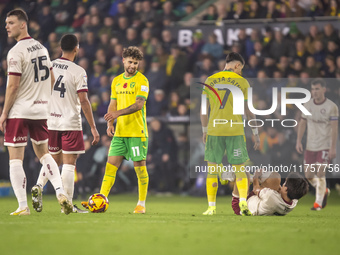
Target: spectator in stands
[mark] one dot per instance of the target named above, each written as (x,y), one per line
(329,67)
(213,48)
(131,38)
(319,53)
(254,11)
(64,12)
(251,68)
(156,75)
(239,11)
(94,79)
(333,9)
(175,68)
(211,13)
(293,9)
(162,156)
(46,21)
(330,34)
(272,12)
(279,46)
(184,89)
(250,41)
(108,27)
(333,49)
(311,67)
(312,36)
(105,101)
(157,103)
(167,40)
(147,11)
(316,9)
(168,12)
(300,51)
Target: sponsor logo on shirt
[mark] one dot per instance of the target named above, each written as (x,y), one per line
(144,88)
(40,102)
(12,62)
(53,114)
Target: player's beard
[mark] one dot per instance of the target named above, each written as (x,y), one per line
(130,72)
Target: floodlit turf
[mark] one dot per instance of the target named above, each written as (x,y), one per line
(172,225)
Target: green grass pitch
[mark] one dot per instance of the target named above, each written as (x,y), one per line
(172,225)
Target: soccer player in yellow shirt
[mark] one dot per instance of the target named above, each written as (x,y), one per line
(223,132)
(129,92)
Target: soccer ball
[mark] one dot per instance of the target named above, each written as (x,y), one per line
(98,203)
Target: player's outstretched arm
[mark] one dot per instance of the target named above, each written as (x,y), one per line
(137,106)
(251,116)
(334,134)
(87,110)
(301,130)
(11,94)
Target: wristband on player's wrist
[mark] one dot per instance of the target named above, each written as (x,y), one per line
(255,131)
(204,129)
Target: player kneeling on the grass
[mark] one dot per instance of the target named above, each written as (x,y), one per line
(66,142)
(269,198)
(129,92)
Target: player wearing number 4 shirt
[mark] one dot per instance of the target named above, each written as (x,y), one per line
(69,95)
(26,109)
(129,92)
(322,134)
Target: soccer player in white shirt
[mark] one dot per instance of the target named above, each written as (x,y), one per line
(64,123)
(322,135)
(26,109)
(269,198)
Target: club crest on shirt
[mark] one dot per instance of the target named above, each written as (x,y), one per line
(323,111)
(125,86)
(132,84)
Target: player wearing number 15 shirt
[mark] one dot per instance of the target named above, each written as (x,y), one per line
(26,109)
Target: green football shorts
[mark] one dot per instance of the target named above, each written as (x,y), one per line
(135,148)
(233,146)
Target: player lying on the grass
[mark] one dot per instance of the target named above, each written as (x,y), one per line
(269,197)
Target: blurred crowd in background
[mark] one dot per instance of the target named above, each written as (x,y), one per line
(105,27)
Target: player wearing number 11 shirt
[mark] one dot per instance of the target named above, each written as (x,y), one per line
(26,109)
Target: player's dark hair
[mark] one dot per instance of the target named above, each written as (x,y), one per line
(319,81)
(297,186)
(234,56)
(21,14)
(133,52)
(68,42)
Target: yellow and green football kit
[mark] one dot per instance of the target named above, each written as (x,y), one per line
(131,133)
(225,135)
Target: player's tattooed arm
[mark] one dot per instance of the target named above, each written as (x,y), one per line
(138,105)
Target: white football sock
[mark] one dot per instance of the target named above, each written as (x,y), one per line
(142,203)
(42,179)
(320,190)
(313,182)
(18,181)
(51,170)
(212,203)
(67,176)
